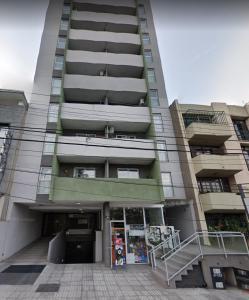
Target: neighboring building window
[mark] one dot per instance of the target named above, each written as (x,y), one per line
(162,150)
(143,23)
(146,38)
(64,25)
(59,62)
(44,180)
(66,9)
(245,151)
(49,143)
(158,122)
(122,136)
(61,43)
(154,98)
(241,129)
(56,86)
(148,56)
(151,75)
(84,173)
(53,112)
(128,173)
(167,185)
(213,185)
(141,10)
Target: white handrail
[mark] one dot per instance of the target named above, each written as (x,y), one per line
(196,236)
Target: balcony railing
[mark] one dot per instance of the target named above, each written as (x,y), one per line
(5,141)
(203,116)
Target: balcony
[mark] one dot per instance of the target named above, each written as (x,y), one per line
(103,41)
(104,22)
(93,88)
(97,150)
(221,202)
(96,63)
(99,190)
(206,127)
(206,165)
(96,117)
(127,7)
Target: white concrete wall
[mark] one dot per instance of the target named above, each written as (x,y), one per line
(22,228)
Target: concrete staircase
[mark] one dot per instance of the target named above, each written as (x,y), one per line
(35,253)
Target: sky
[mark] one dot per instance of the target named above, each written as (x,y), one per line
(204,47)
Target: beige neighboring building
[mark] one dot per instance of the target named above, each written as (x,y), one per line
(213,144)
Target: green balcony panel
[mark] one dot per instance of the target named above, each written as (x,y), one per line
(70,190)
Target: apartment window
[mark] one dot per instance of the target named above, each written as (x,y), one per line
(143,23)
(148,56)
(151,75)
(122,136)
(154,98)
(128,173)
(59,62)
(44,180)
(241,129)
(56,86)
(198,150)
(141,10)
(84,173)
(167,185)
(64,25)
(158,122)
(53,112)
(162,150)
(66,9)
(146,38)
(245,151)
(61,43)
(49,143)
(213,185)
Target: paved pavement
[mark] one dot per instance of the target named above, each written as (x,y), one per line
(94,281)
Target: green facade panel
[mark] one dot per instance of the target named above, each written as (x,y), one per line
(70,190)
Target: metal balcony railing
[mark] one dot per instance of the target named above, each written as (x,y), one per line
(203,116)
(5,141)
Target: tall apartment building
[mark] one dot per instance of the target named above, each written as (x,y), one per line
(213,149)
(13,109)
(102,151)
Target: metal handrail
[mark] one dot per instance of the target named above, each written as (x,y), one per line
(196,236)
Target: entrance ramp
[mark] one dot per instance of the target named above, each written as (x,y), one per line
(34,253)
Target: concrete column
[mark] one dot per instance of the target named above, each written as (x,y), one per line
(107,173)
(106,235)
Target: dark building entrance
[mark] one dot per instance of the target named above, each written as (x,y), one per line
(79,233)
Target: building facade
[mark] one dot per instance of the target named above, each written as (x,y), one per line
(102,154)
(213,149)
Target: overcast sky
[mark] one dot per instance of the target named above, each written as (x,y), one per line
(204,47)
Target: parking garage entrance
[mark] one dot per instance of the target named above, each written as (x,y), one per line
(76,236)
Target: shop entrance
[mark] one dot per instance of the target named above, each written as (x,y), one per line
(80,231)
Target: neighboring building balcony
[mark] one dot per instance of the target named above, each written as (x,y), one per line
(75,149)
(92,88)
(221,202)
(206,127)
(98,190)
(208,165)
(103,63)
(104,22)
(96,116)
(104,41)
(127,7)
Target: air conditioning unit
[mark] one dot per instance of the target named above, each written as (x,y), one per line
(141,102)
(101,73)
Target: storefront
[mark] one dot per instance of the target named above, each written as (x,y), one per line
(128,227)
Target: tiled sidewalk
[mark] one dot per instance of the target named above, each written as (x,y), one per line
(94,281)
